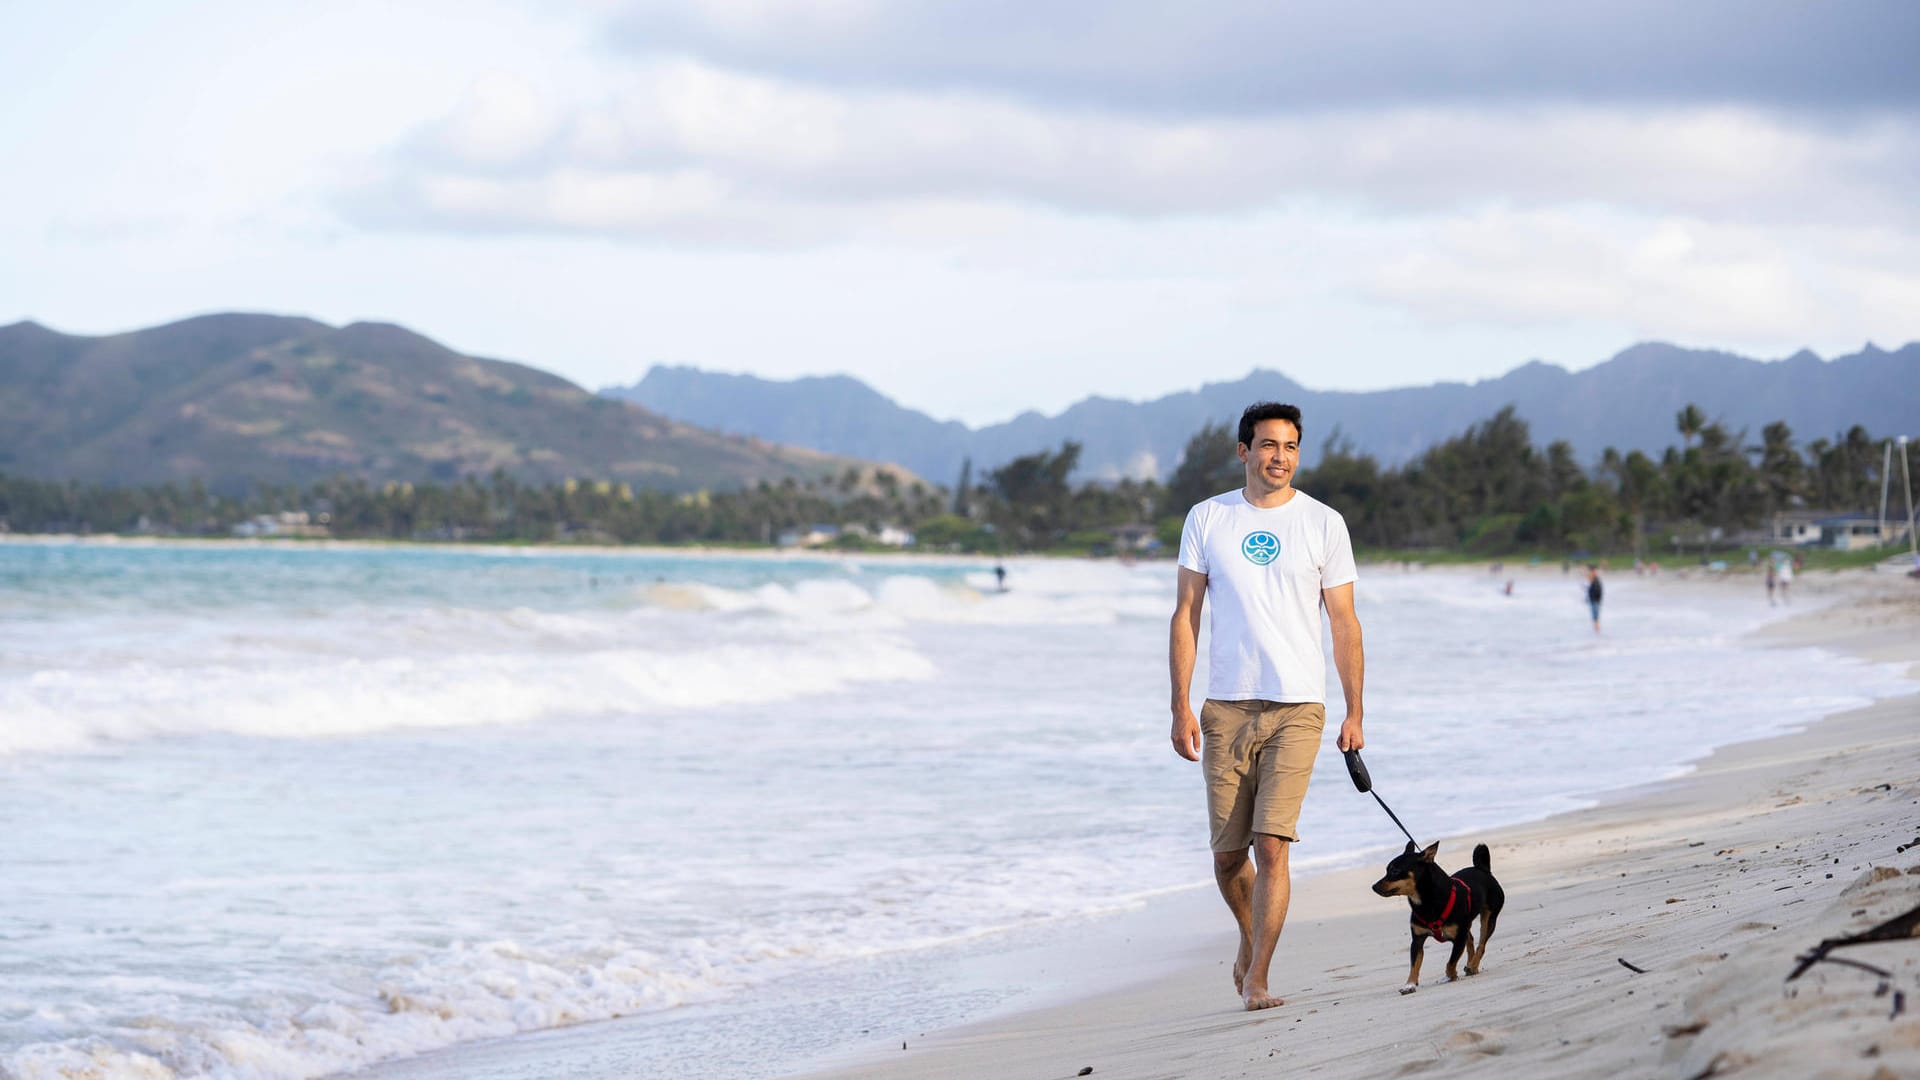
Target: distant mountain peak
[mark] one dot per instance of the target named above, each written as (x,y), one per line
(1626,402)
(1270,379)
(388,336)
(235,399)
(1533,371)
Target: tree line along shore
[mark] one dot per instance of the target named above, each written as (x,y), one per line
(1488,492)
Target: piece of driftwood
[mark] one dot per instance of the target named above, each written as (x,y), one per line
(1899,928)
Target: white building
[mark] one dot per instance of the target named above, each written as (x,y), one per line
(810,536)
(285,523)
(1851,532)
(1797,528)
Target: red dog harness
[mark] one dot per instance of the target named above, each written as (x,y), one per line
(1453,893)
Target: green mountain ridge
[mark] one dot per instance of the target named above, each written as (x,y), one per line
(236,400)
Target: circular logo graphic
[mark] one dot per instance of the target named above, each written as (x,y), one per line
(1260,548)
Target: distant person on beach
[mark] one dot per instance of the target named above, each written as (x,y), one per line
(1594,592)
(1784,578)
(1773,579)
(1270,558)
(1000,577)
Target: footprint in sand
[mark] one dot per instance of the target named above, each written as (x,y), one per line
(1476,1042)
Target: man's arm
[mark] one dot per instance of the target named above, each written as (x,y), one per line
(1348,658)
(1183,643)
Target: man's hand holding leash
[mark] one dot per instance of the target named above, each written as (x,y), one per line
(1350,737)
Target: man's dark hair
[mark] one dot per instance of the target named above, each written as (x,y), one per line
(1268,410)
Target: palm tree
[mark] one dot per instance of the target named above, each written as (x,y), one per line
(1863,467)
(1690,421)
(1819,465)
(1780,468)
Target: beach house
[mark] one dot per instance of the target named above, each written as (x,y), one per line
(1851,532)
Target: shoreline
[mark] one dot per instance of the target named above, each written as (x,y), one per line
(1523,564)
(1710,882)
(1147,992)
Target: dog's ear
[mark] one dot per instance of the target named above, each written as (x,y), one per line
(1431,850)
(1409,850)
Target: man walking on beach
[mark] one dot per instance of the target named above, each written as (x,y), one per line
(1594,592)
(1270,558)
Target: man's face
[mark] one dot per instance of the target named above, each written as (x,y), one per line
(1272,456)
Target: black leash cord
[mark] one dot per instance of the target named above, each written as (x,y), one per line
(1357,769)
(1396,819)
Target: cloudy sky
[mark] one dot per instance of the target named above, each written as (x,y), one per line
(977,207)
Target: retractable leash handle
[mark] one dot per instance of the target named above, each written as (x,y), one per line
(1357,769)
(1364,785)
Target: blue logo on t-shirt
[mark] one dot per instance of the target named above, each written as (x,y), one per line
(1260,548)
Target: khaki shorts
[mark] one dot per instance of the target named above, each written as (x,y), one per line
(1257,757)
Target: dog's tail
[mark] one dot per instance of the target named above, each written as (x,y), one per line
(1482,858)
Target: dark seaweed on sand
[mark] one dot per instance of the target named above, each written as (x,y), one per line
(1899,928)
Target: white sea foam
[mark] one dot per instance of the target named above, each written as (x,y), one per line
(364,672)
(902,599)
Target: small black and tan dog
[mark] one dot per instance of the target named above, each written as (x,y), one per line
(1445,907)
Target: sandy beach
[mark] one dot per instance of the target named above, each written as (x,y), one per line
(1710,885)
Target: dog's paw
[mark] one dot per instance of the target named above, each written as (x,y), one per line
(1409,988)
(1473,971)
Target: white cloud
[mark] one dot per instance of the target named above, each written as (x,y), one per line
(1703,224)
(1675,278)
(1254,56)
(502,120)
(685,205)
(775,142)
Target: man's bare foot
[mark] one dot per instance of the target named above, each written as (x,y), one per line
(1258,998)
(1240,965)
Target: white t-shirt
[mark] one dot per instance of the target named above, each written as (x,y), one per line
(1265,570)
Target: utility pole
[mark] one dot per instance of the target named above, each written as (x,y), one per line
(1886,478)
(1906,485)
